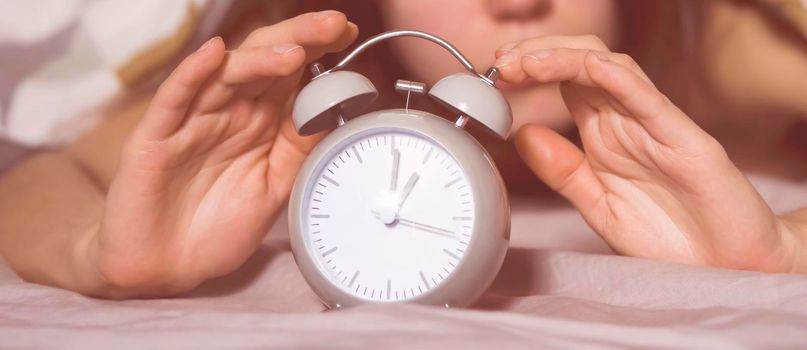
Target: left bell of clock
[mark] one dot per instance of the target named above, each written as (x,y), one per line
(320,105)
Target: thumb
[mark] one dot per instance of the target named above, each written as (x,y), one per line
(562,166)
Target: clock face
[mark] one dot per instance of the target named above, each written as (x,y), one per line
(388,215)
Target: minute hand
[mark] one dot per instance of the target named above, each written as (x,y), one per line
(416,224)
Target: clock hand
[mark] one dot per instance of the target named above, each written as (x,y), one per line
(425,226)
(410,184)
(418,226)
(396,160)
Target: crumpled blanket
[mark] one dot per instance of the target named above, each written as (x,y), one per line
(560,287)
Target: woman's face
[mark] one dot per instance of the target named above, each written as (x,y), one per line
(479,27)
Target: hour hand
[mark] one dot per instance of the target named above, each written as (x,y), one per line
(410,184)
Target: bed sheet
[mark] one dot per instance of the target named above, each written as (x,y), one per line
(560,287)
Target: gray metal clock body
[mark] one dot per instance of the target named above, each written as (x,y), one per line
(489,236)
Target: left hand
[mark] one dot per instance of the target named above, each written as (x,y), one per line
(651,182)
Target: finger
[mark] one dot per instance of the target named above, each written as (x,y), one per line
(249,71)
(631,92)
(508,57)
(590,42)
(652,109)
(319,32)
(287,156)
(172,100)
(564,168)
(255,63)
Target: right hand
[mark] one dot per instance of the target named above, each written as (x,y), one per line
(211,164)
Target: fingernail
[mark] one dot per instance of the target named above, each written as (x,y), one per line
(601,56)
(539,55)
(352,25)
(502,52)
(322,15)
(208,43)
(506,59)
(283,49)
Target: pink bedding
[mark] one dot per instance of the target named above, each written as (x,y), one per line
(559,288)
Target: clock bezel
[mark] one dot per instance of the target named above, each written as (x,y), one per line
(490,234)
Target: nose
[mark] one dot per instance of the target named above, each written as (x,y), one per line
(518,9)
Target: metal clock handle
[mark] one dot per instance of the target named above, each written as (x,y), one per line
(411,33)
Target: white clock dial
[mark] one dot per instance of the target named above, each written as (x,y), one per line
(388,216)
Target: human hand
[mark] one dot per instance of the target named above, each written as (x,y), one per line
(651,183)
(211,164)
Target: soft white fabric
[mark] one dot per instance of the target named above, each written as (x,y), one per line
(559,289)
(60,58)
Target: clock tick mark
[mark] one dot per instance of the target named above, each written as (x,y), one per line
(389,289)
(353,279)
(449,253)
(461,218)
(452,182)
(332,181)
(329,251)
(320,216)
(356,152)
(428,154)
(423,278)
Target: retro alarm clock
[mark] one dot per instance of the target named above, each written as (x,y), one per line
(399,205)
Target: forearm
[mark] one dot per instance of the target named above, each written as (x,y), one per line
(795,238)
(50,210)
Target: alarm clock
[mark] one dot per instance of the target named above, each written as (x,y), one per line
(399,205)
